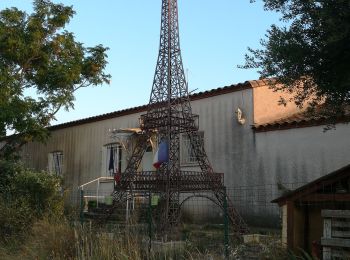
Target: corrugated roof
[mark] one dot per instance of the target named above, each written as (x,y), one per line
(143,108)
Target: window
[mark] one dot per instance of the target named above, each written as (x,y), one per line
(147,159)
(55,163)
(188,155)
(113,159)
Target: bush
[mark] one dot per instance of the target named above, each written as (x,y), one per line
(26,196)
(41,190)
(8,170)
(15,217)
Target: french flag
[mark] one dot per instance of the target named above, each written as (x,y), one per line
(162,155)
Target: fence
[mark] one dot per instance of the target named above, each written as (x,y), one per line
(254,203)
(202,227)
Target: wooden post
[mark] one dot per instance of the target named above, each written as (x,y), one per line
(327,233)
(290,225)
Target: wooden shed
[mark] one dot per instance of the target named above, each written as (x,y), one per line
(302,221)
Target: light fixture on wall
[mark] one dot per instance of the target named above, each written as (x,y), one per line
(239,116)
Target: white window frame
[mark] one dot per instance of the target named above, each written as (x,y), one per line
(117,159)
(187,156)
(55,163)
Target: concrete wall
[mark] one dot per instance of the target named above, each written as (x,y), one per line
(300,155)
(266,104)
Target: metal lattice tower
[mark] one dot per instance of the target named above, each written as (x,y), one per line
(169,115)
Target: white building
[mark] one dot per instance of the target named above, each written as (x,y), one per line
(259,145)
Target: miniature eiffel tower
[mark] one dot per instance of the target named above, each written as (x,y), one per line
(168,117)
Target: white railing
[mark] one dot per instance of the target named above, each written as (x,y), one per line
(98,182)
(130,204)
(95,180)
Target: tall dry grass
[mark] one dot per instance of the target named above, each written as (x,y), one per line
(60,240)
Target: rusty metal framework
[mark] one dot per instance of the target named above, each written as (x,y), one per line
(170,115)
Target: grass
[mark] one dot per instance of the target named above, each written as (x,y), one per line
(63,240)
(60,240)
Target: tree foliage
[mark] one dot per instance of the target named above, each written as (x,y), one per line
(41,66)
(310,53)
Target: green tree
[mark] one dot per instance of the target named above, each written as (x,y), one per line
(310,53)
(41,66)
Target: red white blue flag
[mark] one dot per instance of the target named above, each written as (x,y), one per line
(162,155)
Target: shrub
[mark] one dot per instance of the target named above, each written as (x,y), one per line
(41,190)
(16,216)
(26,196)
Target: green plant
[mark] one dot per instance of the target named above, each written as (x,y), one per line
(37,53)
(25,197)
(42,190)
(92,204)
(308,54)
(16,215)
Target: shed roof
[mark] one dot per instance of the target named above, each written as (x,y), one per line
(313,186)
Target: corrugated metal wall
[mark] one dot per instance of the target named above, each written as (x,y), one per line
(82,145)
(252,163)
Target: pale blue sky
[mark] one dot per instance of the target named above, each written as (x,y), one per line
(214,36)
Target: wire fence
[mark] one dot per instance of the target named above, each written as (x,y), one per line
(254,203)
(202,227)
